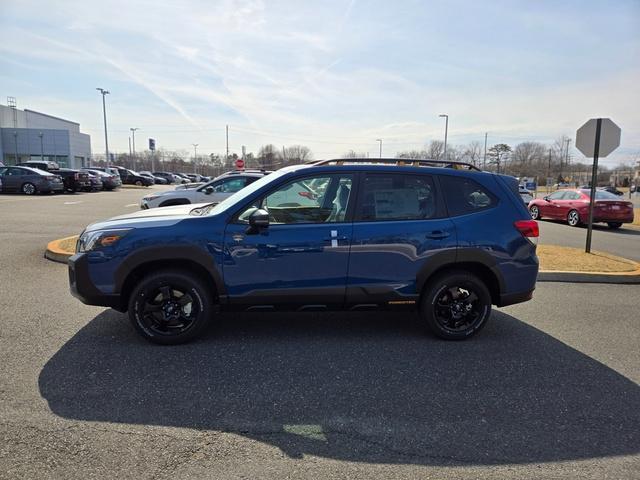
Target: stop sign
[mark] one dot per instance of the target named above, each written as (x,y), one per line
(239,164)
(609,137)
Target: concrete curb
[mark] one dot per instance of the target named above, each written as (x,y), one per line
(590,277)
(56,252)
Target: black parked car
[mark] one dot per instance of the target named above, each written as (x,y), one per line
(129,177)
(29,181)
(45,165)
(110,181)
(74,180)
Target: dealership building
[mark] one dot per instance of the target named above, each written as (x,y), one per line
(29,135)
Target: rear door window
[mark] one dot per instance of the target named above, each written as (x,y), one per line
(387,197)
(464,195)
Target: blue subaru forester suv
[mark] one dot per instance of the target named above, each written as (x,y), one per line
(332,234)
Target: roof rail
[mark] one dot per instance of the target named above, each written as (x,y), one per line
(415,162)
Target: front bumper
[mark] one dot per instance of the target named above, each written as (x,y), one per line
(84,289)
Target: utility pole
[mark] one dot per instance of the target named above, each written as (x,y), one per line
(548,172)
(446,131)
(380,140)
(130,156)
(484,160)
(104,115)
(133,135)
(227,158)
(195,156)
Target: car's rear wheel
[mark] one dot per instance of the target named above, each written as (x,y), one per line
(455,305)
(138,183)
(573,218)
(534,211)
(29,188)
(614,225)
(170,307)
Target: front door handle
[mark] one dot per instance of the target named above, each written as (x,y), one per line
(438,234)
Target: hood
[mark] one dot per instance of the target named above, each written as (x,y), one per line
(153,217)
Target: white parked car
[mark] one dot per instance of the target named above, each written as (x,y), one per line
(211,192)
(525,194)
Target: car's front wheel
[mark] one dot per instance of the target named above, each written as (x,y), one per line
(614,225)
(170,307)
(534,211)
(455,305)
(573,218)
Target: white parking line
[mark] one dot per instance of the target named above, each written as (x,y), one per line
(72,203)
(131,205)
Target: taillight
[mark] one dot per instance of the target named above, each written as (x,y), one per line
(528,228)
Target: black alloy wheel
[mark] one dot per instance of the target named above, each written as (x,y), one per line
(456,305)
(170,307)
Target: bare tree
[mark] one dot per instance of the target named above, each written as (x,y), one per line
(354,154)
(297,154)
(435,151)
(472,153)
(412,154)
(269,157)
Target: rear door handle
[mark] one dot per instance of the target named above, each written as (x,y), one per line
(438,234)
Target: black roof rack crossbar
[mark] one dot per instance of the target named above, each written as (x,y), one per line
(400,161)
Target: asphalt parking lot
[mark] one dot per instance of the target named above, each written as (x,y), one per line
(548,390)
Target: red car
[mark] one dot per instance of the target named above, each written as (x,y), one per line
(573,207)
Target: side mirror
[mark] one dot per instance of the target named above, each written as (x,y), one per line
(258,220)
(546,199)
(208,190)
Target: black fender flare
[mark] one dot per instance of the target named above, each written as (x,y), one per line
(170,253)
(454,257)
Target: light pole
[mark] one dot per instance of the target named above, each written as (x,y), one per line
(41,148)
(380,140)
(195,156)
(484,160)
(446,131)
(104,114)
(133,138)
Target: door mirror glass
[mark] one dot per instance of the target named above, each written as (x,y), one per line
(208,190)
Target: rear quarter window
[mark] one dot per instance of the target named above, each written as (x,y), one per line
(464,195)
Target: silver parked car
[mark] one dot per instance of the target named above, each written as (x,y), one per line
(211,192)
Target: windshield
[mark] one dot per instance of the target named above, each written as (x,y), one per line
(240,195)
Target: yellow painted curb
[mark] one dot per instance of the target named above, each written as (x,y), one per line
(61,249)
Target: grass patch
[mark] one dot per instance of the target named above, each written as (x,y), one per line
(553,257)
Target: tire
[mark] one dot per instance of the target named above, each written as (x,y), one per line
(162,319)
(614,225)
(138,183)
(28,188)
(534,211)
(450,318)
(573,218)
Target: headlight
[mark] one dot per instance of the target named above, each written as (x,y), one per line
(100,239)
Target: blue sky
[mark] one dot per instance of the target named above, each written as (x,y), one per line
(333,75)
